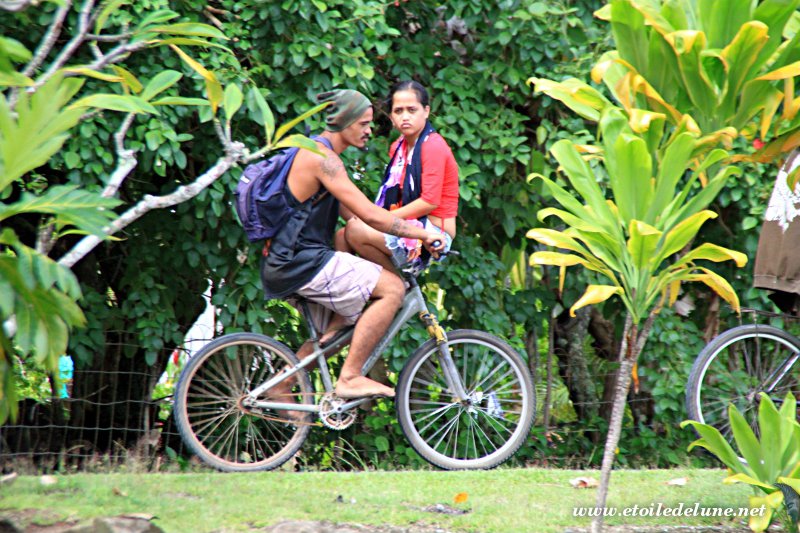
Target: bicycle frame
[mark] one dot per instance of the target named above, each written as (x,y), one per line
(413,304)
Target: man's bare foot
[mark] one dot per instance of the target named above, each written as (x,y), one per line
(361,386)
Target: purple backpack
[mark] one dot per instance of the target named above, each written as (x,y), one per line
(260,199)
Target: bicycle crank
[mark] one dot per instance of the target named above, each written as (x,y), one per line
(332,415)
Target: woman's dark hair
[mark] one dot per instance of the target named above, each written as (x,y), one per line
(409,85)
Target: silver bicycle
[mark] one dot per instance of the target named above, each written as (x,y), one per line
(739,364)
(464,399)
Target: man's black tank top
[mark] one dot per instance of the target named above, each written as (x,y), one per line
(303,246)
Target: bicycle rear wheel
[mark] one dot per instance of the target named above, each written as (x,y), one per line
(210,415)
(483,431)
(735,367)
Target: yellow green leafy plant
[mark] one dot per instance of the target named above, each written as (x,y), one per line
(769,462)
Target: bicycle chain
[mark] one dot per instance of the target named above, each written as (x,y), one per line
(253,412)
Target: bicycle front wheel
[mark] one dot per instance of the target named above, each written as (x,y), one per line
(210,413)
(481,432)
(735,367)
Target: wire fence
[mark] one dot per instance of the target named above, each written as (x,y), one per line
(124,418)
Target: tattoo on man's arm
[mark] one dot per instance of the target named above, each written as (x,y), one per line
(331,166)
(399,228)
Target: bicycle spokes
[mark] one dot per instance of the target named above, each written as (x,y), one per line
(218,415)
(742,369)
(482,423)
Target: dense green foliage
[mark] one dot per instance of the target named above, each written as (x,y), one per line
(142,293)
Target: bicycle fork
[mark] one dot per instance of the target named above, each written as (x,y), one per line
(449,369)
(414,303)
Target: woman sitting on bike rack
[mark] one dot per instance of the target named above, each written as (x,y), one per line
(420,184)
(300,260)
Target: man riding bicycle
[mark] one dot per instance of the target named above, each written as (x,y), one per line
(300,259)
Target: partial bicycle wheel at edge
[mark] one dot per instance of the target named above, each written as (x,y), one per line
(735,366)
(482,432)
(211,418)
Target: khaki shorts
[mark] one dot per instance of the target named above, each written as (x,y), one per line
(343,286)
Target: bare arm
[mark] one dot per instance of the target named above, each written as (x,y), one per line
(345,213)
(333,176)
(417,208)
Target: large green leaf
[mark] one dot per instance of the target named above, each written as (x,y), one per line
(707,195)
(160,83)
(567,217)
(267,118)
(39,269)
(582,179)
(562,196)
(682,234)
(233,100)
(630,176)
(14,50)
(181,100)
(69,205)
(12,278)
(789,52)
(41,327)
(582,98)
(774,14)
(713,441)
(39,129)
(14,79)
(740,56)
(609,250)
(790,435)
(680,13)
(630,34)
(748,444)
(6,296)
(671,168)
(108,8)
(771,428)
(284,128)
(157,17)
(744,478)
(689,47)
(613,123)
(190,28)
(754,97)
(117,102)
(559,239)
(720,19)
(642,244)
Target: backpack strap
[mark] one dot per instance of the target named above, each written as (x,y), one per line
(319,195)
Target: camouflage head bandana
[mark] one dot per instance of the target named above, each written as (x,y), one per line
(348,105)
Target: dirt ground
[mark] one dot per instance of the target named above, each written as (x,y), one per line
(39,521)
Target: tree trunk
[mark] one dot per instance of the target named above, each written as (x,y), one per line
(633,341)
(573,366)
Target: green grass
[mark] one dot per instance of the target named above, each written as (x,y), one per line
(505,500)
